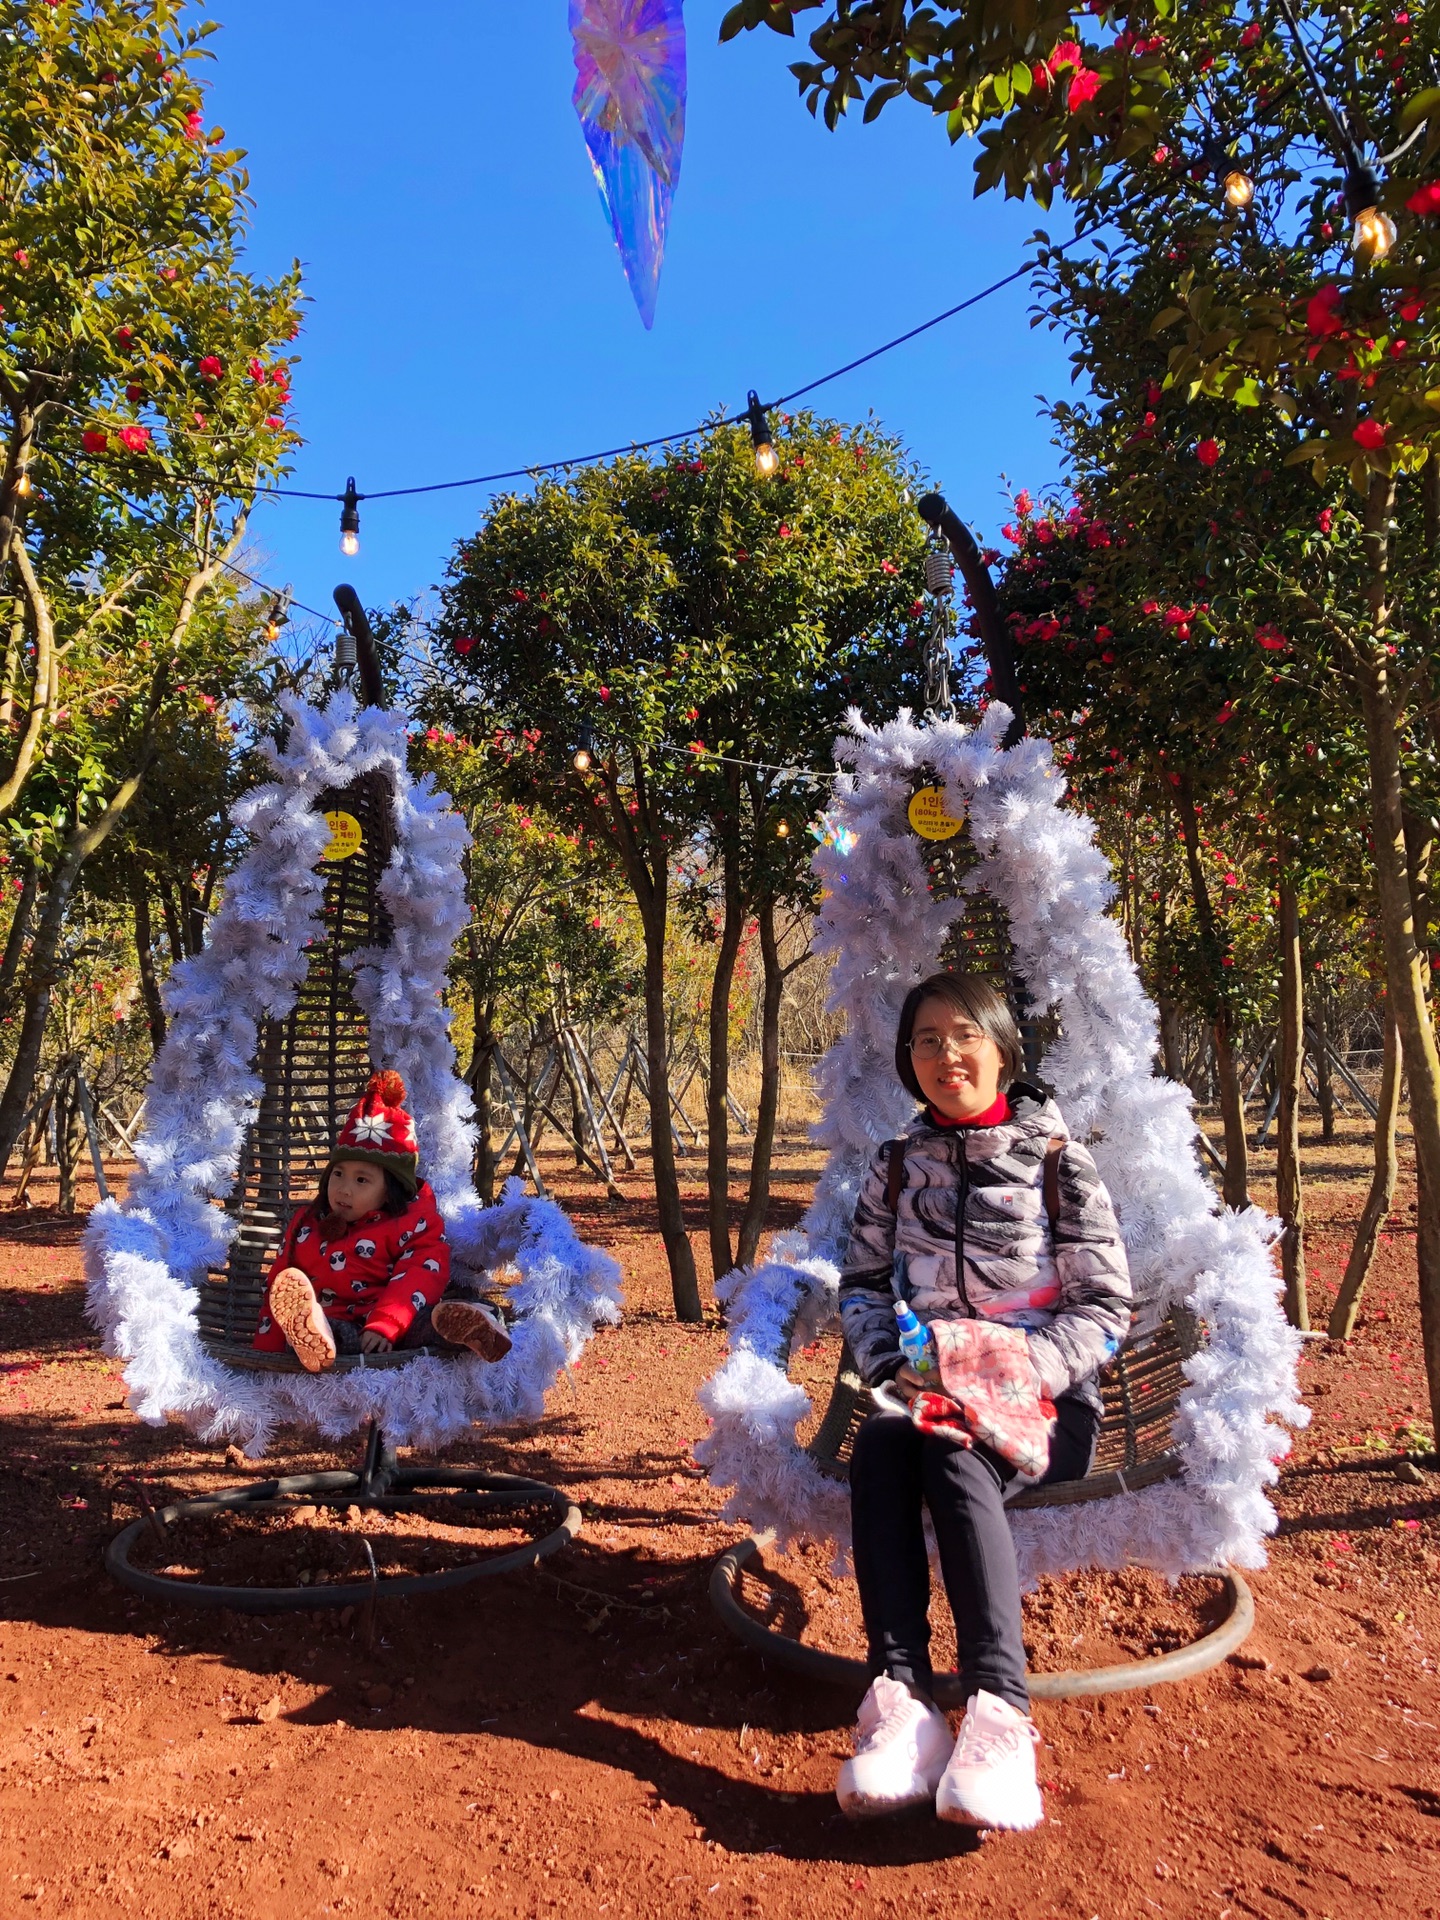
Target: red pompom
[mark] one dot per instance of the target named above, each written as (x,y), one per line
(389,1086)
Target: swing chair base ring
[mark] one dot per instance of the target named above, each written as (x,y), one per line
(406,1489)
(837,1670)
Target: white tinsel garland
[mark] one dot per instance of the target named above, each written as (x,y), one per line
(145,1259)
(885,931)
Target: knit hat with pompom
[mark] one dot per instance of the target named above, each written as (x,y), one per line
(380,1131)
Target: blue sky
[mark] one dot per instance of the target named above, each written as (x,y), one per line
(468,309)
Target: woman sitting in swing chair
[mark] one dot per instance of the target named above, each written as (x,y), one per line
(986,1224)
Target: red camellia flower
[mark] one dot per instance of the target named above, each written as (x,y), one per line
(887,566)
(22,258)
(134,392)
(1207,453)
(1413,305)
(1425,199)
(604,693)
(784,531)
(94,441)
(1252,35)
(274,420)
(1271,638)
(1370,434)
(1067,54)
(124,336)
(168,273)
(1023,503)
(210,367)
(135,439)
(1322,313)
(1084,86)
(194,124)
(256,372)
(1225,713)
(464,646)
(1325,519)
(1151,606)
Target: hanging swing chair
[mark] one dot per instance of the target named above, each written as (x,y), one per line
(327,959)
(950,847)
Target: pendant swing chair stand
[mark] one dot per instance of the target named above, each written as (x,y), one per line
(948,846)
(327,960)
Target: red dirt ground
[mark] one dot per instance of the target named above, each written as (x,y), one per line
(584,1738)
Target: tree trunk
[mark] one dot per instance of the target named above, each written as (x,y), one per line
(69,1142)
(717,1112)
(1320,1054)
(1404,963)
(1236,1184)
(684,1283)
(482,1075)
(1290,1194)
(1170,1041)
(1381,1195)
(145,955)
(15,940)
(1235,1187)
(757,1200)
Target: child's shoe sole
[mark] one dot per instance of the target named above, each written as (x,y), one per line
(299,1316)
(464,1323)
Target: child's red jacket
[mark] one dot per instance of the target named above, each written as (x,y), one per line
(381,1271)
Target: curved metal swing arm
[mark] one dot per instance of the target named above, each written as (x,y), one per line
(937,513)
(357,626)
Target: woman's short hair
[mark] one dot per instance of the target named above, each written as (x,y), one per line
(970,994)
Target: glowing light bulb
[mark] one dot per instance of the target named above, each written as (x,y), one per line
(1239,189)
(1374,234)
(782,829)
(767,460)
(276,614)
(581,761)
(350,520)
(22,482)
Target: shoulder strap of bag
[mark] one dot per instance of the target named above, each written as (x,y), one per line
(895,1175)
(1050,1180)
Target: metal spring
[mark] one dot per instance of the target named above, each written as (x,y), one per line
(939,571)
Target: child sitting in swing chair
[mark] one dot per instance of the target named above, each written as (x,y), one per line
(991,1226)
(365,1267)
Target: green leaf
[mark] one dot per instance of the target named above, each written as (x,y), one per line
(1167,318)
(1420,106)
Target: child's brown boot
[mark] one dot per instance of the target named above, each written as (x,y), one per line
(466,1323)
(301,1319)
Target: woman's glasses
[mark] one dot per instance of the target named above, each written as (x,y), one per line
(930,1046)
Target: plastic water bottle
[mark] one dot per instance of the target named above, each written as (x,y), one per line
(916,1341)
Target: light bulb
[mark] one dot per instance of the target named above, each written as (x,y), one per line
(782,829)
(767,461)
(1374,234)
(1239,189)
(350,520)
(22,482)
(580,760)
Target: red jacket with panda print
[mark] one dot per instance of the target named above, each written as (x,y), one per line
(381,1271)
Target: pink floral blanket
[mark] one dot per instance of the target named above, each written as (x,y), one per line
(992,1394)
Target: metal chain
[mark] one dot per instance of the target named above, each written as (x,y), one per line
(939,572)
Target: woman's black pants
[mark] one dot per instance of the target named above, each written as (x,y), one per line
(896,1469)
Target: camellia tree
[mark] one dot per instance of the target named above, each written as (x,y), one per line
(1319,125)
(143,388)
(666,644)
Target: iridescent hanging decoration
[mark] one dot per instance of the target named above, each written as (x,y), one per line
(630,96)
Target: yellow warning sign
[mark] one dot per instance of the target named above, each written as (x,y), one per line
(345,836)
(929,818)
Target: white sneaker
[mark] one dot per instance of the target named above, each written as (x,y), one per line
(990,1781)
(901,1747)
